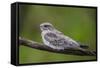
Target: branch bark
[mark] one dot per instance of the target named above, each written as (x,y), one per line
(36,45)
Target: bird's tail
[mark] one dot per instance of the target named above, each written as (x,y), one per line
(84,46)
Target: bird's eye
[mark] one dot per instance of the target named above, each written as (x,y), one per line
(46,26)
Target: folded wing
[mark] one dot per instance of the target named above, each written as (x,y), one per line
(59,41)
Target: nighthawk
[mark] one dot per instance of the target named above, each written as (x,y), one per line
(56,39)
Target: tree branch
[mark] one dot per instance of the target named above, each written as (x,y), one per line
(43,47)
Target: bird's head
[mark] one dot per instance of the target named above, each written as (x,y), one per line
(46,26)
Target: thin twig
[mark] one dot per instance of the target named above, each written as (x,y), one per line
(43,47)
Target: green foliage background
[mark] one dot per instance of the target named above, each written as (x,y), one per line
(75,22)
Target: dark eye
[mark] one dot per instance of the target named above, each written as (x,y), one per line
(45,25)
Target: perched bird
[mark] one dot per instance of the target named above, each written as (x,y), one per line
(56,39)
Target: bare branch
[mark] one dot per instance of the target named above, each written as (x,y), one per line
(43,47)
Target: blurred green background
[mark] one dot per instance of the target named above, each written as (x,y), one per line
(75,22)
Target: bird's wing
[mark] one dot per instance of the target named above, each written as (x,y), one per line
(57,40)
(67,38)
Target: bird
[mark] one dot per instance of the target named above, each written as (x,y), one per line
(57,40)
